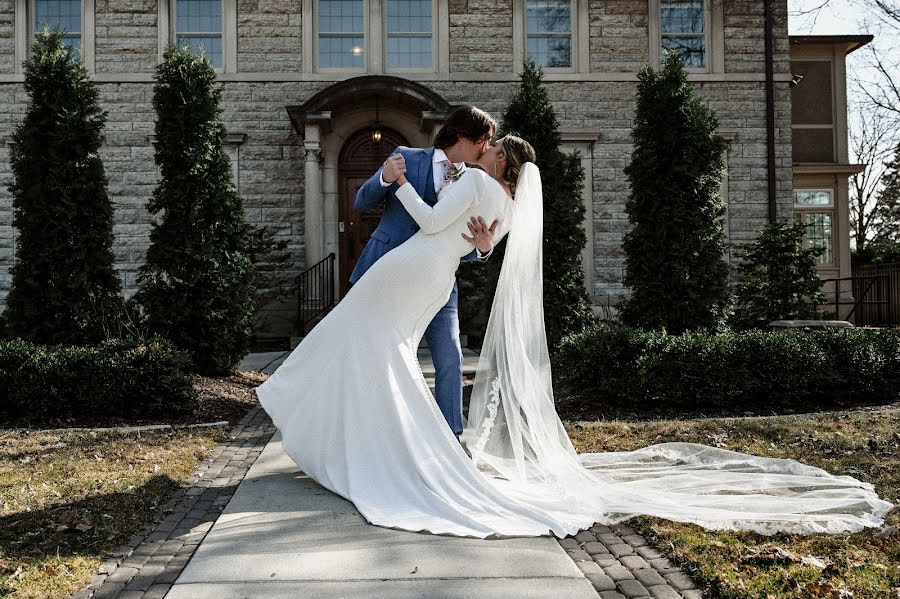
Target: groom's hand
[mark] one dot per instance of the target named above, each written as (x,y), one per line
(394,166)
(482,235)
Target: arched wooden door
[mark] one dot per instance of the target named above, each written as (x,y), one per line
(359,160)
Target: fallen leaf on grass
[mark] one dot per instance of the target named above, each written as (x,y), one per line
(828,591)
(815,562)
(769,555)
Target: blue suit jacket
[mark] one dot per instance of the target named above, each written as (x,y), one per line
(396,225)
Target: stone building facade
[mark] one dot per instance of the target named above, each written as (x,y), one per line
(306,80)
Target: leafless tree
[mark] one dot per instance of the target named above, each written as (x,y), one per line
(872,139)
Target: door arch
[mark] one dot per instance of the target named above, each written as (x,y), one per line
(359,159)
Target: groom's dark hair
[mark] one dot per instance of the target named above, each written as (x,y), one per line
(466,121)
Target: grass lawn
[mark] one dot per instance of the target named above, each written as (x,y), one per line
(863,444)
(68,499)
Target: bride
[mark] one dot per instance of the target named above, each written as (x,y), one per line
(357,415)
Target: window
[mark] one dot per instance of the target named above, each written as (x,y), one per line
(683,28)
(62,15)
(812,112)
(341,34)
(549,37)
(409,34)
(815,208)
(198,24)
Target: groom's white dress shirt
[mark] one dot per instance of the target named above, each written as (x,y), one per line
(437,172)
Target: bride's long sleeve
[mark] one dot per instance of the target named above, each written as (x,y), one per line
(454,202)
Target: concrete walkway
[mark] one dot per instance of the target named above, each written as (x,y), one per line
(283,535)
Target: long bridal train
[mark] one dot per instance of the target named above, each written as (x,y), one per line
(357,416)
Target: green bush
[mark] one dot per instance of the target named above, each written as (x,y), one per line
(778,277)
(63,273)
(120,378)
(616,366)
(196,286)
(675,249)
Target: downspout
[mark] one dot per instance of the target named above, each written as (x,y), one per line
(770,106)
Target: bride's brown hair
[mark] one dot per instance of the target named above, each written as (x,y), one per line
(518,152)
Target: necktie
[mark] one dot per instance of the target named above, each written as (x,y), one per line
(450,173)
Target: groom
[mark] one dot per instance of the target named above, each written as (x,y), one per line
(463,138)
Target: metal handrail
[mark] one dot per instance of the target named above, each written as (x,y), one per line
(315,292)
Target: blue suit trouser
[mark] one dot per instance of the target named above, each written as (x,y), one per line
(442,336)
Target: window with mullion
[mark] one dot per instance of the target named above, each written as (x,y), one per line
(341,34)
(683,29)
(198,24)
(815,209)
(409,34)
(549,38)
(60,15)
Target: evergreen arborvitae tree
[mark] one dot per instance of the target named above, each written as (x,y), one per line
(888,204)
(63,280)
(530,116)
(196,287)
(674,254)
(778,278)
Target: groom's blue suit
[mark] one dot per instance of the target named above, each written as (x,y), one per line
(394,228)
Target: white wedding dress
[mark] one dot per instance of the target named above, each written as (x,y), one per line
(356,413)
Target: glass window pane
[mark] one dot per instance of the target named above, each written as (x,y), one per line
(691,49)
(549,16)
(820,197)
(62,15)
(341,16)
(681,16)
(410,52)
(211,44)
(199,16)
(409,16)
(341,52)
(818,234)
(550,51)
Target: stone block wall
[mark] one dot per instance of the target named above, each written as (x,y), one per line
(126,36)
(270,162)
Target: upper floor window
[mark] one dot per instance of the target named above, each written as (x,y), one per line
(198,24)
(683,28)
(409,34)
(342,39)
(61,15)
(549,36)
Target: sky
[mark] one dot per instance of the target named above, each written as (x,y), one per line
(838,17)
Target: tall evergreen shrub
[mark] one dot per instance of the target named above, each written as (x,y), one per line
(675,253)
(63,280)
(196,286)
(531,116)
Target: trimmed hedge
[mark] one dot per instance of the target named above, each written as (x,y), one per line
(127,378)
(612,365)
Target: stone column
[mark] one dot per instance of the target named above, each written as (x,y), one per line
(312,234)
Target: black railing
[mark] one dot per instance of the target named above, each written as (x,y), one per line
(315,292)
(872,299)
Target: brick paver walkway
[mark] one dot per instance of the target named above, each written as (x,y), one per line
(149,563)
(620,564)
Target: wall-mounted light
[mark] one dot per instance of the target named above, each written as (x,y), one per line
(376,126)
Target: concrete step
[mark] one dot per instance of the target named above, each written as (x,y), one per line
(268,362)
